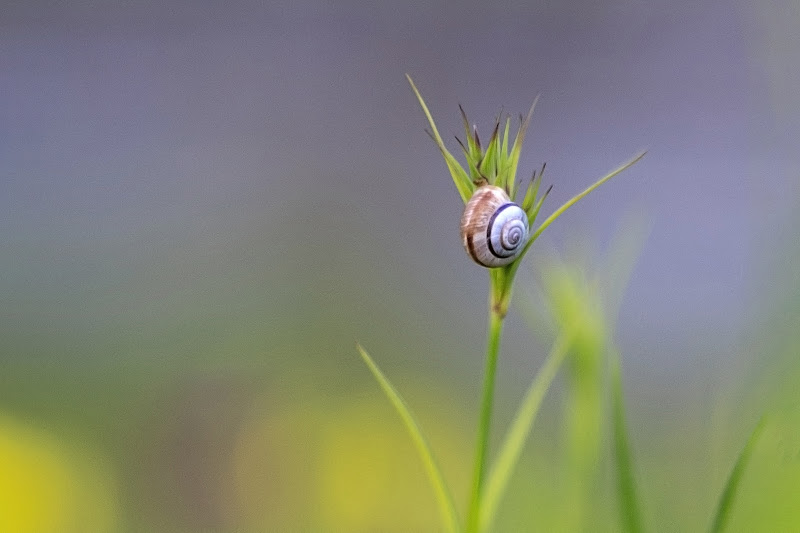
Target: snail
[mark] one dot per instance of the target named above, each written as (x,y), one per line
(494,229)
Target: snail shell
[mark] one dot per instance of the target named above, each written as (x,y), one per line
(494,229)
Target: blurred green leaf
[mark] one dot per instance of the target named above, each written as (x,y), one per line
(626,483)
(725,504)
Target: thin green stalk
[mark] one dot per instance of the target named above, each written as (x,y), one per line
(518,433)
(484,425)
(626,484)
(446,506)
(725,504)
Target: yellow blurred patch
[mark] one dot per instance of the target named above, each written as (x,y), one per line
(346,465)
(370,476)
(47,488)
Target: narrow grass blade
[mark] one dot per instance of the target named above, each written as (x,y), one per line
(443,496)
(725,504)
(558,212)
(518,433)
(474,173)
(473,143)
(504,163)
(534,212)
(530,194)
(488,165)
(505,138)
(626,484)
(516,149)
(460,178)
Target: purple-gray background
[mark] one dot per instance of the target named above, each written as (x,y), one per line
(254,177)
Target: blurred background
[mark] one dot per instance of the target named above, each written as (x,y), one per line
(204,205)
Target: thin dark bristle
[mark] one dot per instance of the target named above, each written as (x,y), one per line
(466,151)
(464,119)
(495,132)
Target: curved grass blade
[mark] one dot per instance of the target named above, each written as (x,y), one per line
(443,496)
(518,433)
(629,502)
(460,178)
(558,212)
(725,504)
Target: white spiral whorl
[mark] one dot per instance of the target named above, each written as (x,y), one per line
(494,230)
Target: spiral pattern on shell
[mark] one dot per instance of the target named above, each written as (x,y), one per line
(494,230)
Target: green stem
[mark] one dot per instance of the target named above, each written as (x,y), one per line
(511,448)
(496,316)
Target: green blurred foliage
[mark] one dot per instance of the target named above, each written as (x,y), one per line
(228,445)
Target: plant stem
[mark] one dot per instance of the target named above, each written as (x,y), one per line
(496,316)
(518,433)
